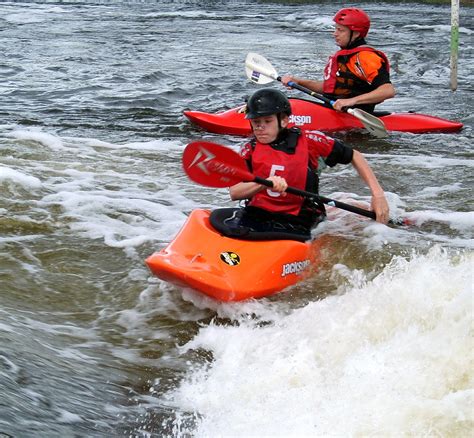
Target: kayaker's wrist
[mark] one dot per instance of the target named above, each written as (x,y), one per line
(377,190)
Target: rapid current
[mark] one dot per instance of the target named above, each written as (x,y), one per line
(378,342)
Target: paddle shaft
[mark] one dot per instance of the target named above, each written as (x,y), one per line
(328,201)
(329,101)
(332,202)
(308,91)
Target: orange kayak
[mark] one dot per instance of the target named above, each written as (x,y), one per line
(231,269)
(311,115)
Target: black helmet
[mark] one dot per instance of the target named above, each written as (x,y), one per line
(266,102)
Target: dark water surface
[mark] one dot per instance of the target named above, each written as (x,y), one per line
(377,343)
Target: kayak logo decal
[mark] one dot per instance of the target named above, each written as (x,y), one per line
(230,258)
(295,267)
(300,120)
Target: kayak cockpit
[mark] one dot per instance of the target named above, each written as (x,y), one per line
(227,222)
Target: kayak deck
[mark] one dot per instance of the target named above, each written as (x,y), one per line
(311,115)
(229,269)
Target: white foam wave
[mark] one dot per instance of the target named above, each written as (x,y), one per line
(16,178)
(430,192)
(110,217)
(441,28)
(48,140)
(320,23)
(463,221)
(187,14)
(385,357)
(423,161)
(154,145)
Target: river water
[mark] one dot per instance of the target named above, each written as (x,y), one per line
(379,342)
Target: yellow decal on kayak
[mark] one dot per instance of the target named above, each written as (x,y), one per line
(230,257)
(295,267)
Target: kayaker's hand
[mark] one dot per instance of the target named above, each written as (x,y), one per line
(342,104)
(279,183)
(287,78)
(380,207)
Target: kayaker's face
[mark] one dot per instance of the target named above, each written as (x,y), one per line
(342,35)
(266,128)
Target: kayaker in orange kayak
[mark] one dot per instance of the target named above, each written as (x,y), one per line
(357,75)
(291,157)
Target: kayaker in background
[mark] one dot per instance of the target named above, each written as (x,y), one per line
(357,75)
(291,156)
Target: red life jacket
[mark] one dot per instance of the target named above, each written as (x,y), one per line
(340,81)
(267,161)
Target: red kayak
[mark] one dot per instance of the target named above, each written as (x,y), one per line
(311,115)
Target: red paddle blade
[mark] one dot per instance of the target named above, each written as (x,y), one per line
(214,165)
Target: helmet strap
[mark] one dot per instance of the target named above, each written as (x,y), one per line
(279,121)
(350,38)
(356,43)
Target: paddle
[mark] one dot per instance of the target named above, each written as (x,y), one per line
(214,165)
(260,71)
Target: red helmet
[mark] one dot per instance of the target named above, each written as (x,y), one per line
(355,19)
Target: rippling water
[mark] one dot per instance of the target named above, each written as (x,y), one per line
(378,342)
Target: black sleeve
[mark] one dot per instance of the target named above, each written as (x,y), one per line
(340,154)
(382,78)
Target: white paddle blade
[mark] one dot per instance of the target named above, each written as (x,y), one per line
(257,77)
(373,124)
(259,70)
